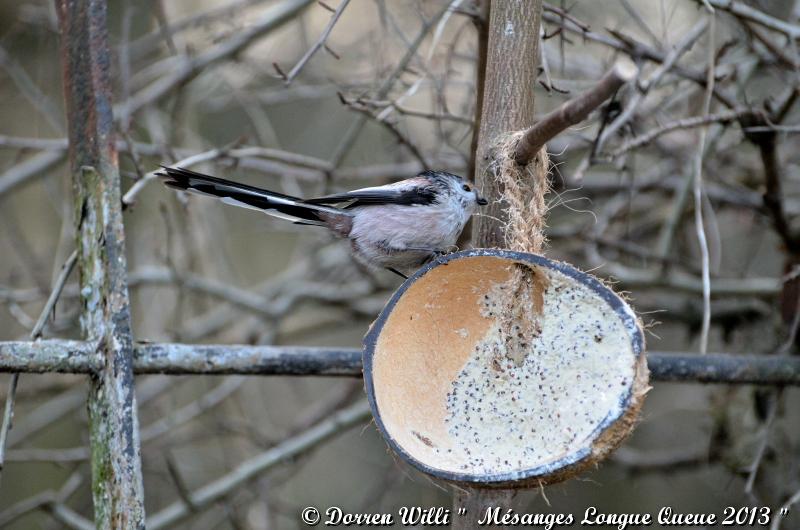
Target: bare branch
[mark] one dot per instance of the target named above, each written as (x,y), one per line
(68,517)
(564,14)
(391,127)
(28,169)
(741,10)
(683,123)
(164,33)
(697,186)
(319,44)
(354,130)
(184,414)
(660,460)
(36,332)
(652,80)
(31,91)
(767,143)
(191,68)
(250,469)
(51,501)
(794,499)
(638,50)
(573,111)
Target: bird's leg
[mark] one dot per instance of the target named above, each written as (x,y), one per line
(438,253)
(428,250)
(397,272)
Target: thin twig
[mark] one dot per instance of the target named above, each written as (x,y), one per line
(44,500)
(683,123)
(660,460)
(565,14)
(350,135)
(31,91)
(8,417)
(698,189)
(786,58)
(741,10)
(777,518)
(640,22)
(165,33)
(639,50)
(32,167)
(435,116)
(652,80)
(250,469)
(180,484)
(752,471)
(184,414)
(391,127)
(318,44)
(68,517)
(773,198)
(36,332)
(60,406)
(188,69)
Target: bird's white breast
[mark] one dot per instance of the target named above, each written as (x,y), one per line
(435,226)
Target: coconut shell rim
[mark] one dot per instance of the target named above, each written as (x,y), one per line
(546,473)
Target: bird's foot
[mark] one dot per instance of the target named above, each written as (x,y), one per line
(439,254)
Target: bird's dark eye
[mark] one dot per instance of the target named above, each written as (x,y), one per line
(466,187)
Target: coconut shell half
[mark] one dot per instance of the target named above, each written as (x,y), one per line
(504,369)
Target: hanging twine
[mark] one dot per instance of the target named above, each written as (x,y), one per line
(523,191)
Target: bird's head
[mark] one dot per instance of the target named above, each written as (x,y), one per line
(457,187)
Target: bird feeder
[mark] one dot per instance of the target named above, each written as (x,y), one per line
(494,368)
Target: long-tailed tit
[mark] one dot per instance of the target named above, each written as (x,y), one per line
(398,227)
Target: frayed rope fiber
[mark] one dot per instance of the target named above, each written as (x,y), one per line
(523,191)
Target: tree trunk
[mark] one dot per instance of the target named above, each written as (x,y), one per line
(512,58)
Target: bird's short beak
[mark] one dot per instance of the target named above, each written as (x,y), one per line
(481,201)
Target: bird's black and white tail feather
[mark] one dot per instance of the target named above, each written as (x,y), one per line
(276,204)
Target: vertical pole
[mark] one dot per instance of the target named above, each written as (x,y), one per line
(105,320)
(512,60)
(476,502)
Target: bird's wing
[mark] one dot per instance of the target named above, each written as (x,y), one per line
(245,196)
(416,191)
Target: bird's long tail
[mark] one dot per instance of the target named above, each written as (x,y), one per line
(270,202)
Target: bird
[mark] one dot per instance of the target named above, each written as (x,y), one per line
(398,227)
